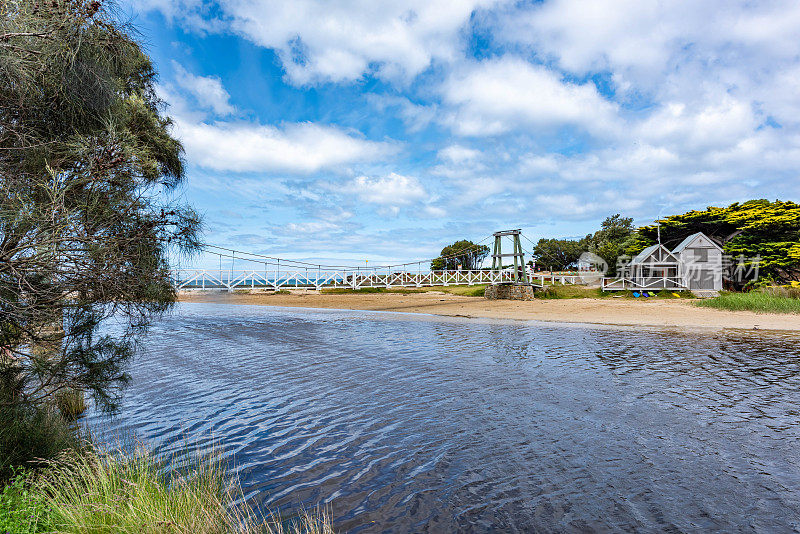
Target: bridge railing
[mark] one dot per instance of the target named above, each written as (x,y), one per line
(230,280)
(321,279)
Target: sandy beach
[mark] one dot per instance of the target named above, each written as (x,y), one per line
(609,311)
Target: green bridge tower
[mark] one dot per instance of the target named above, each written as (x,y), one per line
(520,273)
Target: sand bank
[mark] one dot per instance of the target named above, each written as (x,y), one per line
(610,311)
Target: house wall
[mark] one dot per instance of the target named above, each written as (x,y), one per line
(701,266)
(698,265)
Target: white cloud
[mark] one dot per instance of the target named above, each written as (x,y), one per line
(320,41)
(687,104)
(719,124)
(297,147)
(311,228)
(207,90)
(415,116)
(621,34)
(458,154)
(681,50)
(495,96)
(390,190)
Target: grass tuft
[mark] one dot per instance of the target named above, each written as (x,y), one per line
(99,491)
(347,290)
(71,403)
(30,435)
(767,300)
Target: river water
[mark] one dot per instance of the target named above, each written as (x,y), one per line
(409,423)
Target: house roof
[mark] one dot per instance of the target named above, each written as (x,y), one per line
(688,241)
(644,255)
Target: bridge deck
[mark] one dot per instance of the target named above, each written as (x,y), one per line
(318,279)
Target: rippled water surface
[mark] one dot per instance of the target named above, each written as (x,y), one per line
(415,424)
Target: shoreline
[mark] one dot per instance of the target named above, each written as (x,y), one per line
(611,312)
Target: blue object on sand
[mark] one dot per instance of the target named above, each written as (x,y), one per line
(636,294)
(645,294)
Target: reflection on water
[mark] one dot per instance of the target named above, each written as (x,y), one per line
(411,425)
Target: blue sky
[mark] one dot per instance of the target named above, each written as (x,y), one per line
(384,130)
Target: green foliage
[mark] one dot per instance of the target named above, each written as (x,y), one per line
(464,253)
(610,241)
(71,403)
(105,492)
(23,510)
(31,435)
(765,300)
(757,228)
(569,291)
(87,229)
(559,254)
(132,492)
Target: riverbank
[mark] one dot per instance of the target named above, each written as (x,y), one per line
(681,313)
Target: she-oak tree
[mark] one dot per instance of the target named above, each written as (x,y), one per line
(86,224)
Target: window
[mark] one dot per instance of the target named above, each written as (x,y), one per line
(701,254)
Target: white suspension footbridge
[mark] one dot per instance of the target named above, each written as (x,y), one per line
(244,270)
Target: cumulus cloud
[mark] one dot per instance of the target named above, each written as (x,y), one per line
(682,50)
(321,41)
(296,147)
(685,104)
(458,154)
(496,96)
(628,34)
(716,125)
(390,190)
(207,91)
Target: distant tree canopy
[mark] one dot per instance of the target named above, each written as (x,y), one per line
(464,253)
(610,241)
(757,228)
(559,254)
(85,229)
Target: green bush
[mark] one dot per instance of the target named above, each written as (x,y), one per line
(32,435)
(111,492)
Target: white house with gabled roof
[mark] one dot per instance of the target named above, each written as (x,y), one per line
(701,262)
(695,265)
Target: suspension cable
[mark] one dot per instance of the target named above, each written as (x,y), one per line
(276,261)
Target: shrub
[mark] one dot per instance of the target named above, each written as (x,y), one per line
(31,435)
